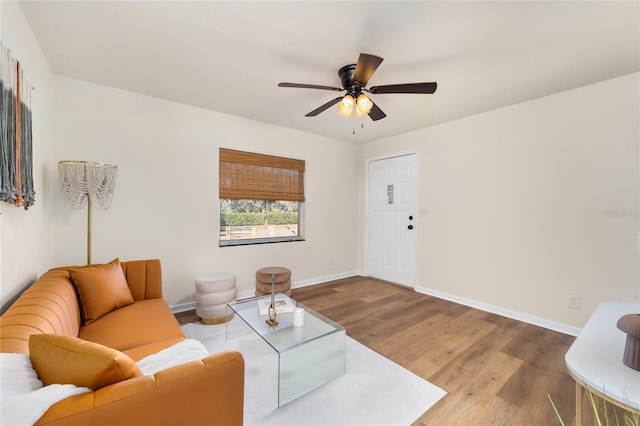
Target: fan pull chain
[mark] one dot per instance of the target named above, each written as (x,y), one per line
(361,126)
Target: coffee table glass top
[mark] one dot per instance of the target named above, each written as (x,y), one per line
(283,336)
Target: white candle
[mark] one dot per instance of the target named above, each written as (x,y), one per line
(298,317)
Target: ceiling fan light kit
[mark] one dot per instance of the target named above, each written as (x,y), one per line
(362,105)
(345,107)
(354,79)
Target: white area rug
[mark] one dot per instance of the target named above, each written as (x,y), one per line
(373,391)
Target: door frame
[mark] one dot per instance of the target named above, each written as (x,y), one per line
(416,216)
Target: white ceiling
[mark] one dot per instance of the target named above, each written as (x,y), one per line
(229,56)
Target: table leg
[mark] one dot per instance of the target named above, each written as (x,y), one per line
(579,394)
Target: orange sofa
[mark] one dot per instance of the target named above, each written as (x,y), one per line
(209,392)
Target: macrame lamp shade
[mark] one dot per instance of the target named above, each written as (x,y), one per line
(84,183)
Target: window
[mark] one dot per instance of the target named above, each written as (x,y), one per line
(261,198)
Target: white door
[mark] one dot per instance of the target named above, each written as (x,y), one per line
(391,219)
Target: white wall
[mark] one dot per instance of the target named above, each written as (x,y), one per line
(25,235)
(526,205)
(166,201)
(532,203)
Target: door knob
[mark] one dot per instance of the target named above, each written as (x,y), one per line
(410,227)
(410,217)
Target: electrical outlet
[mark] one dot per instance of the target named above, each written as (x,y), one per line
(574,302)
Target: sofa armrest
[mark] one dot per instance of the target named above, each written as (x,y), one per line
(144,278)
(209,392)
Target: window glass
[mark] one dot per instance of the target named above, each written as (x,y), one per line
(255,221)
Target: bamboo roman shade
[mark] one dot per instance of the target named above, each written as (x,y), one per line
(250,176)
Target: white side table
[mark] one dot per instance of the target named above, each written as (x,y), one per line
(595,359)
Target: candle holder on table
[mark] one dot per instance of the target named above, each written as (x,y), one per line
(272,307)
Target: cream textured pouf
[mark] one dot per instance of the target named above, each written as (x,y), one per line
(213,292)
(282,280)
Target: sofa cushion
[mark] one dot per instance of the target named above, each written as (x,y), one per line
(102,288)
(70,360)
(146,323)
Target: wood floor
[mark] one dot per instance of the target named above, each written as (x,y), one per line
(496,371)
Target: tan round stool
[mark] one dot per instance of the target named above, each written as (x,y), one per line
(282,280)
(213,292)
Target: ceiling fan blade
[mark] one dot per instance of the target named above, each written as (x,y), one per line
(425,88)
(309,86)
(328,105)
(366,66)
(376,113)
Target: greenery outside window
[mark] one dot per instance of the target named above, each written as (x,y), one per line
(261,198)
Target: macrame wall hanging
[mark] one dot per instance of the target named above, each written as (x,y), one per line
(16,154)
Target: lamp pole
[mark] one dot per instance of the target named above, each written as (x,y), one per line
(88,229)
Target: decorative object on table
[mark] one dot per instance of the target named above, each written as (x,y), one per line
(272,307)
(281,302)
(85,182)
(282,280)
(630,324)
(16,150)
(213,292)
(298,317)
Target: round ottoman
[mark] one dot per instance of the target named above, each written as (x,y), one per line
(213,292)
(282,280)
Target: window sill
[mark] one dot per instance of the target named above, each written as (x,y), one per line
(231,243)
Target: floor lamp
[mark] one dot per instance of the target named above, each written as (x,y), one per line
(83,183)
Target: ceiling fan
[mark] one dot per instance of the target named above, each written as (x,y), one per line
(354,78)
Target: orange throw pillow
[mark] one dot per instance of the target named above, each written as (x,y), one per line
(62,359)
(102,289)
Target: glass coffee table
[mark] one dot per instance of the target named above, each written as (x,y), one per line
(308,356)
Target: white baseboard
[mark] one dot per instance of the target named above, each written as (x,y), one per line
(183,307)
(320,280)
(247,294)
(540,322)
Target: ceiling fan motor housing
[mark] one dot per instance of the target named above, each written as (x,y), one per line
(346,78)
